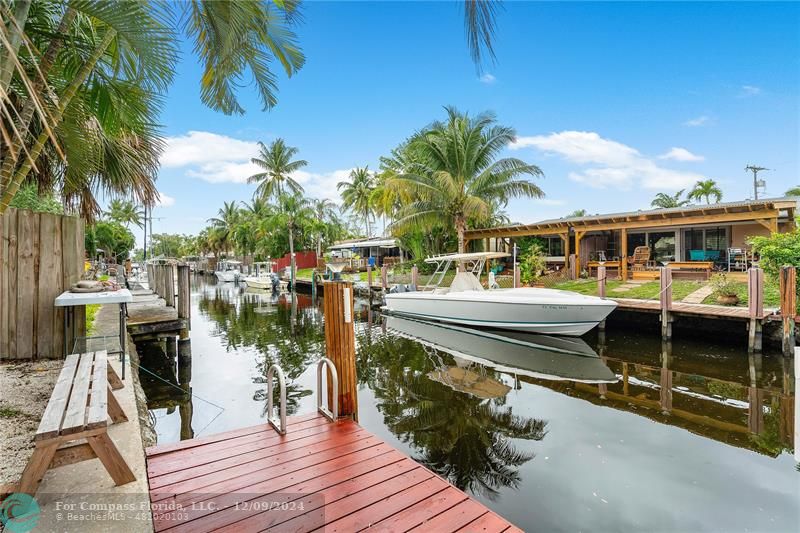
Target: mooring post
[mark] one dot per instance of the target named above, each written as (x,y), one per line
(755,304)
(184,294)
(169,285)
(788,281)
(384,277)
(517,276)
(415,276)
(571,266)
(369,278)
(340,344)
(184,361)
(665,299)
(601,290)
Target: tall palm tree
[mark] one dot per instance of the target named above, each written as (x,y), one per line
(706,189)
(225,224)
(665,200)
(125,212)
(456,177)
(292,209)
(276,160)
(357,193)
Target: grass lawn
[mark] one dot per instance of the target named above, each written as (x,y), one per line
(645,291)
(772,294)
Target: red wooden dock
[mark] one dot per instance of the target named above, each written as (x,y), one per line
(319,476)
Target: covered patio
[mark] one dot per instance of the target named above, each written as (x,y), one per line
(693,241)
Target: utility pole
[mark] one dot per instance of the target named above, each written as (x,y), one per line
(755,170)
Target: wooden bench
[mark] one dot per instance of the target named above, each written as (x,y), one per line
(692,266)
(75,422)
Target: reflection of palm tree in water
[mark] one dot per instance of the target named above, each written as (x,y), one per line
(463,438)
(287,337)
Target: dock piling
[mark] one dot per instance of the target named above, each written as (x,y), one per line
(415,276)
(340,344)
(184,293)
(601,290)
(384,278)
(665,301)
(788,287)
(755,304)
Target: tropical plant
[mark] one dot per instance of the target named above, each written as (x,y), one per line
(29,197)
(276,161)
(705,189)
(794,191)
(357,194)
(293,209)
(665,200)
(533,264)
(112,237)
(777,250)
(125,212)
(324,211)
(100,76)
(225,224)
(577,213)
(454,176)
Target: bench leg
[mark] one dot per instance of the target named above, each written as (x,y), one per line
(114,409)
(36,468)
(113,378)
(108,454)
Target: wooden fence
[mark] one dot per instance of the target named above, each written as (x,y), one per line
(41,255)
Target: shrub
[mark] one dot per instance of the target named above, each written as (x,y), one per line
(532,264)
(777,250)
(722,285)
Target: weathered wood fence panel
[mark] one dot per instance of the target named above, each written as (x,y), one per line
(41,255)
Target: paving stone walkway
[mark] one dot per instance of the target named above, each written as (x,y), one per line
(699,295)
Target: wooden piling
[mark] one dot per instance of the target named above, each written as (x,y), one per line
(169,285)
(788,284)
(517,276)
(572,267)
(184,293)
(601,290)
(384,277)
(415,276)
(755,304)
(340,343)
(665,300)
(369,277)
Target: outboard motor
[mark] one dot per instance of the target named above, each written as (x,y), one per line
(276,282)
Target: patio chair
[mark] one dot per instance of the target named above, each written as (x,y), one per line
(641,258)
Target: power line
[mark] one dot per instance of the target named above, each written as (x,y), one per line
(755,170)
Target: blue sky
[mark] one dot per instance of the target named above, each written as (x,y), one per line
(614,102)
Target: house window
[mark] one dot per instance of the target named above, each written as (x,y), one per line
(556,247)
(705,244)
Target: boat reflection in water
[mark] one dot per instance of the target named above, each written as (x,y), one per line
(521,354)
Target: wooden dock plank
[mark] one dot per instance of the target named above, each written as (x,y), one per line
(337,476)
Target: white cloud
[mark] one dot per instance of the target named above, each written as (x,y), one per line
(487,79)
(201,147)
(322,185)
(224,171)
(702,120)
(164,200)
(681,154)
(607,163)
(749,90)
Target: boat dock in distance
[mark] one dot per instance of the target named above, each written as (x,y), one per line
(320,475)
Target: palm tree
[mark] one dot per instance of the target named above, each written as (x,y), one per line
(292,209)
(706,189)
(357,193)
(125,212)
(455,176)
(794,191)
(664,200)
(276,160)
(577,213)
(225,224)
(135,46)
(324,211)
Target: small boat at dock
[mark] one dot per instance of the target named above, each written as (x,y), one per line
(466,302)
(228,271)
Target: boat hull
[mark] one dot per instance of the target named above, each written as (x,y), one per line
(543,311)
(257,283)
(227,276)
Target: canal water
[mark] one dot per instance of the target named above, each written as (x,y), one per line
(614,432)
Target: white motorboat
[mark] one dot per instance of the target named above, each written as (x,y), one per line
(228,271)
(525,354)
(466,302)
(262,278)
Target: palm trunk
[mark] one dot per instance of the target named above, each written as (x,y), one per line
(16,35)
(291,254)
(460,228)
(366,221)
(10,189)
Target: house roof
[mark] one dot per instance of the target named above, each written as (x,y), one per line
(365,243)
(697,214)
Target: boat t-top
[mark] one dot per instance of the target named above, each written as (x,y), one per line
(262,278)
(228,271)
(466,302)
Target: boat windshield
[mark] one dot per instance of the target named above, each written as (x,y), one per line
(469,266)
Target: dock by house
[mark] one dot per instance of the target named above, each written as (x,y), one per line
(320,475)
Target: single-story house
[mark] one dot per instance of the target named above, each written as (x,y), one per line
(702,235)
(384,250)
